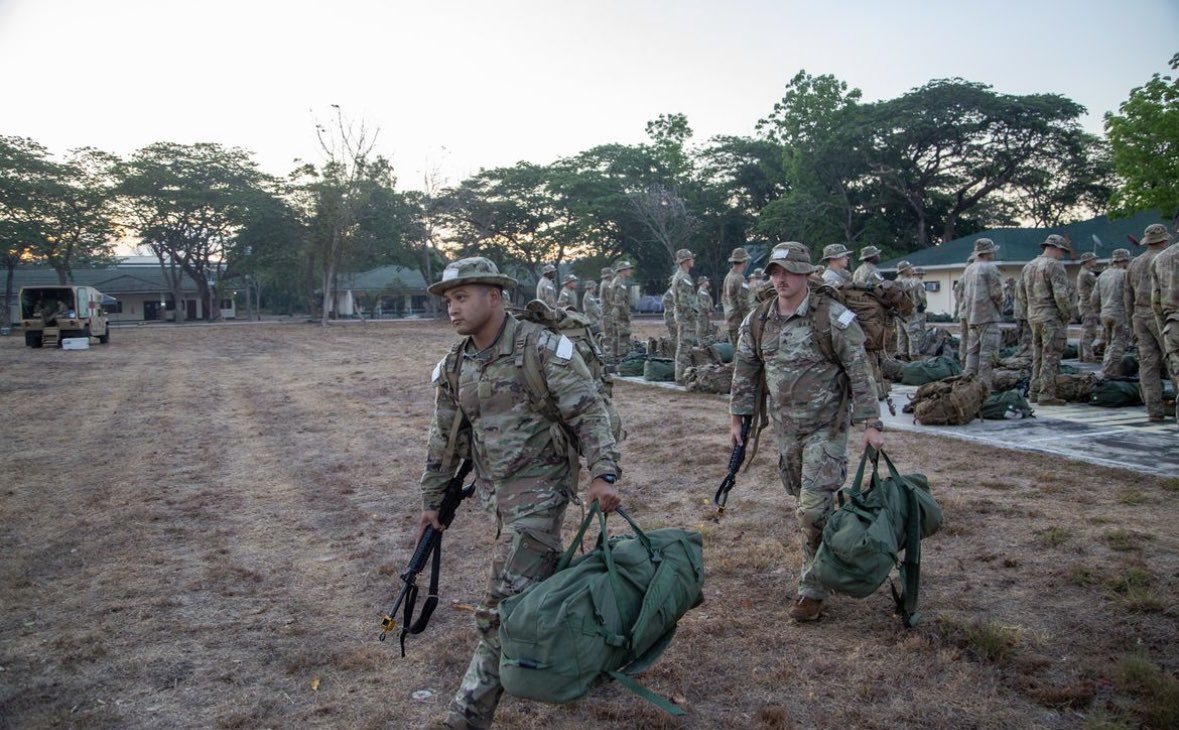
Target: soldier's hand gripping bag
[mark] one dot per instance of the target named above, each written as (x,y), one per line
(606,615)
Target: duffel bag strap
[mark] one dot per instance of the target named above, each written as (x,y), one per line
(567,558)
(661,702)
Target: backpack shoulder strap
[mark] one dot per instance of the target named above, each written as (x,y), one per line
(449,373)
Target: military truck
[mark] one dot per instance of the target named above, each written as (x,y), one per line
(51,314)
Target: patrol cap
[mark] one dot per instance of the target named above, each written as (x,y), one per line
(622,266)
(739,256)
(868,252)
(1057,242)
(1155,233)
(835,251)
(1088,256)
(791,256)
(1120,254)
(904,266)
(549,269)
(568,278)
(473,270)
(984,245)
(607,271)
(683,255)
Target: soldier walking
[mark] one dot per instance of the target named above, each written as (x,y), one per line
(525,470)
(620,304)
(1049,309)
(735,294)
(1108,298)
(982,300)
(1086,280)
(1164,301)
(546,287)
(817,386)
(1142,319)
(683,295)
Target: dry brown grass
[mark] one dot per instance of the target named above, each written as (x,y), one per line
(202,525)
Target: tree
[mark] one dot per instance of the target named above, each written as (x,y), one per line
(1144,138)
(25,172)
(77,224)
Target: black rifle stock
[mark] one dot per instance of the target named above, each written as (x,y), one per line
(429,544)
(735,460)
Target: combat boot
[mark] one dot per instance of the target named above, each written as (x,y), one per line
(806,609)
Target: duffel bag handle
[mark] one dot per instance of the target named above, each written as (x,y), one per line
(596,509)
(857,486)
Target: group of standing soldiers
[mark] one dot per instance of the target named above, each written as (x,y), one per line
(607,305)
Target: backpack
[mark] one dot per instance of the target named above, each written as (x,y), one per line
(608,614)
(659,370)
(1115,394)
(954,401)
(632,365)
(863,539)
(874,306)
(1076,388)
(716,378)
(1009,405)
(930,370)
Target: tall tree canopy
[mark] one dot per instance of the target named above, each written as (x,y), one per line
(1144,137)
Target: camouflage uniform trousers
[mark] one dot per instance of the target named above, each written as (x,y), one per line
(1170,334)
(684,342)
(734,332)
(911,335)
(669,322)
(526,553)
(621,337)
(964,329)
(1116,335)
(982,350)
(608,341)
(813,467)
(1024,334)
(1150,361)
(1090,322)
(1048,341)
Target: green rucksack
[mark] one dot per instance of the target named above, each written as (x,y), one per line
(863,539)
(927,371)
(1115,394)
(1009,405)
(606,615)
(659,369)
(1129,364)
(723,352)
(632,365)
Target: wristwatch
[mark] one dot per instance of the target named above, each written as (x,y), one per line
(875,423)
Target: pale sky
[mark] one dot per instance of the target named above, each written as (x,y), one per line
(464,84)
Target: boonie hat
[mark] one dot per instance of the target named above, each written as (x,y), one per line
(683,255)
(791,256)
(549,269)
(1057,242)
(568,278)
(591,284)
(984,245)
(868,252)
(1088,256)
(739,255)
(758,272)
(473,270)
(918,271)
(904,266)
(607,271)
(622,266)
(1120,254)
(835,251)
(701,280)
(1155,233)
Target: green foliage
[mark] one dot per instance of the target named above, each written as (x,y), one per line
(1144,137)
(1156,691)
(984,641)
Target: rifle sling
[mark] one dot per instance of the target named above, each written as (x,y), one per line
(408,625)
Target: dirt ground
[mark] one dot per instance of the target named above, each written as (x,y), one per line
(201,527)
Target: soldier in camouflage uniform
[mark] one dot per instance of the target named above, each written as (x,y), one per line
(1049,307)
(1020,312)
(1142,319)
(982,298)
(1086,281)
(837,258)
(1108,298)
(524,470)
(910,329)
(591,305)
(620,304)
(1164,301)
(735,294)
(704,323)
(668,302)
(687,306)
(866,272)
(812,400)
(606,294)
(546,287)
(567,299)
(960,312)
(756,280)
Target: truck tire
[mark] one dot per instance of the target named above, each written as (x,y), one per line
(33,339)
(105,337)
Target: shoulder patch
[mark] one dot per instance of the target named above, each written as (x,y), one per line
(437,372)
(844,320)
(564,348)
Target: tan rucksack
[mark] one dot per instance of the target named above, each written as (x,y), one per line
(954,401)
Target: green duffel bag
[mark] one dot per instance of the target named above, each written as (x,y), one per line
(863,539)
(1070,352)
(606,615)
(633,366)
(1115,394)
(1007,405)
(1063,369)
(927,371)
(723,351)
(659,369)
(1129,364)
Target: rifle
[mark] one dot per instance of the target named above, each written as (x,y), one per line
(430,543)
(735,460)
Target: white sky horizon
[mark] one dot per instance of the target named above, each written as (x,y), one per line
(459,85)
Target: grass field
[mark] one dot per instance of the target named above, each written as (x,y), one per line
(201,526)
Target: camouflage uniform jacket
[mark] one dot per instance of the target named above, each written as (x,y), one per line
(807,392)
(668,302)
(1109,294)
(518,450)
(567,298)
(1047,291)
(837,277)
(1137,290)
(866,273)
(1164,286)
(1021,291)
(915,288)
(546,291)
(1086,281)
(620,300)
(735,297)
(687,305)
(982,294)
(705,300)
(592,308)
(959,288)
(605,293)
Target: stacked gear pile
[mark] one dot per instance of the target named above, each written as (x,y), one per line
(1009,405)
(954,401)
(931,370)
(714,378)
(659,369)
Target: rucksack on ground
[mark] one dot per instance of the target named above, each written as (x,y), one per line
(606,615)
(954,401)
(1075,388)
(1009,405)
(715,378)
(921,372)
(632,365)
(1109,393)
(863,539)
(659,370)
